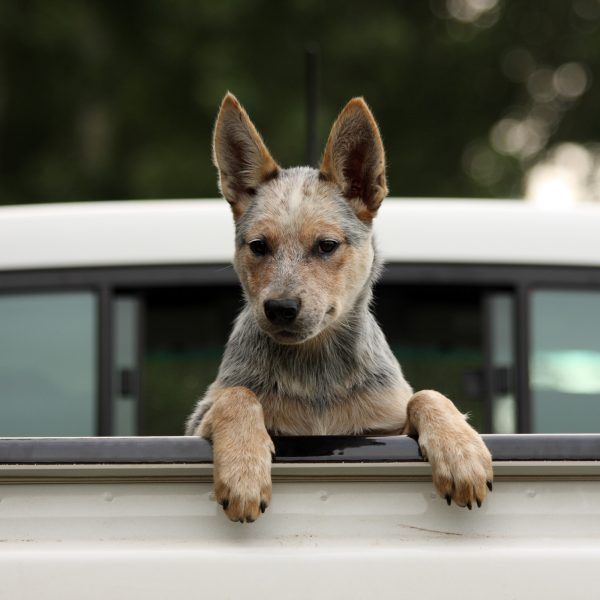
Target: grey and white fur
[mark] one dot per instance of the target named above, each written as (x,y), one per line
(306,355)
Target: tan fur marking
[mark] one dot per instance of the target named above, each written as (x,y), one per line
(314,229)
(242,451)
(383,413)
(460,461)
(329,283)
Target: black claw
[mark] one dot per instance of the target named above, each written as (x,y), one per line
(489,485)
(478,503)
(249,520)
(263,506)
(469,506)
(448,499)
(225,504)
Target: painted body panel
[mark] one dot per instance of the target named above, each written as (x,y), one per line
(201,231)
(333,531)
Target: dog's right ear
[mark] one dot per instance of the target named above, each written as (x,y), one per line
(240,156)
(354,159)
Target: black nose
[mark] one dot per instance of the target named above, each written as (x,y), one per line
(282,312)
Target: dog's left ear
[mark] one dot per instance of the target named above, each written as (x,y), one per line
(240,156)
(354,159)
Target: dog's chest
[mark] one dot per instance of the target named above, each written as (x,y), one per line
(299,396)
(311,381)
(309,405)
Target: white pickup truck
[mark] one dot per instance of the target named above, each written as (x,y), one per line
(112,319)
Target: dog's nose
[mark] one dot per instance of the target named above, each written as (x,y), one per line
(282,311)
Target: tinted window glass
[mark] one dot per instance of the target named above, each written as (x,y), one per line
(565,361)
(436,334)
(502,363)
(125,371)
(48,364)
(185,331)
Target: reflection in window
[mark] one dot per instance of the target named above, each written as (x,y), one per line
(48,364)
(125,375)
(565,361)
(502,363)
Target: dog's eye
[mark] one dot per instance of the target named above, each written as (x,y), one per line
(327,246)
(258,247)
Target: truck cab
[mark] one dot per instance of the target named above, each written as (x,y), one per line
(114,315)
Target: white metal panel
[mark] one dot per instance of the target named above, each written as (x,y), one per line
(485,231)
(201,231)
(324,536)
(115,233)
(473,570)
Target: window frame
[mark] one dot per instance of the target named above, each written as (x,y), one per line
(107,282)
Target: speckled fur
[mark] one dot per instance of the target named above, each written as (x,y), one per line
(331,371)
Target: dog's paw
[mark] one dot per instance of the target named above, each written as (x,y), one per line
(242,478)
(461,463)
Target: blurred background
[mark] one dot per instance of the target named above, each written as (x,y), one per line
(106,100)
(116,100)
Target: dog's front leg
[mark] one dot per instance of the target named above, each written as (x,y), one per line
(242,452)
(461,463)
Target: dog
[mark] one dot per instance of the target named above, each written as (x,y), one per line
(306,355)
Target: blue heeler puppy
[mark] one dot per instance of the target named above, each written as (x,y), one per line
(306,356)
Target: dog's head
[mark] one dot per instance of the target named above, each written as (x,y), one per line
(304,251)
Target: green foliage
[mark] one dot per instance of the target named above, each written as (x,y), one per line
(116,100)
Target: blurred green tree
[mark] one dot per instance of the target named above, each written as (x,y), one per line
(115,100)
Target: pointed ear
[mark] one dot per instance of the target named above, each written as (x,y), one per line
(354,159)
(240,155)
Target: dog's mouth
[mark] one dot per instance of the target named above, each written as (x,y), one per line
(294,333)
(291,337)
(287,336)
